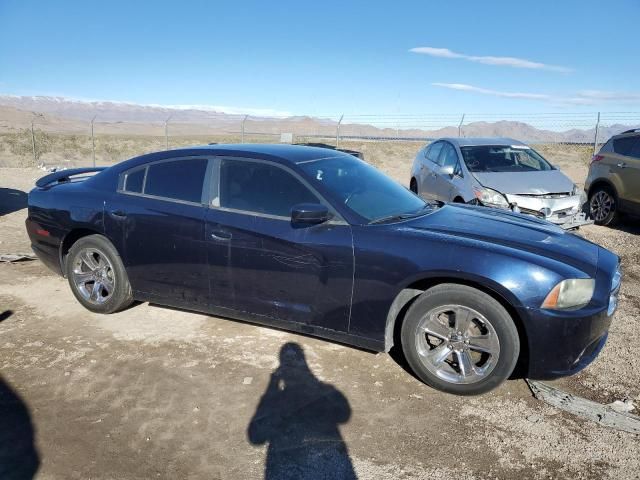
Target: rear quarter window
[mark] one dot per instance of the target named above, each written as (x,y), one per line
(134,181)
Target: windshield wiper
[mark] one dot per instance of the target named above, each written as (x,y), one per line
(401,216)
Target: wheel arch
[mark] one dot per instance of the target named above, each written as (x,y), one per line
(69,239)
(410,293)
(602,182)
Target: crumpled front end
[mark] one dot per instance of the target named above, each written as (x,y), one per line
(564,210)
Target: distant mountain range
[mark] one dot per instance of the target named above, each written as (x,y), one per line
(66,115)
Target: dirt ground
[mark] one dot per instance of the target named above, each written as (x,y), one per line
(153,392)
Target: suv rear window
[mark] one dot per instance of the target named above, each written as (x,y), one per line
(178,180)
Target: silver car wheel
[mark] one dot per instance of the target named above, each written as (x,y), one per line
(457,344)
(601,205)
(93,275)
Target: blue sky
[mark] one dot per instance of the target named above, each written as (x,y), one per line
(326,58)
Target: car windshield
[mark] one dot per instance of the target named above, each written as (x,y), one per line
(364,189)
(503,158)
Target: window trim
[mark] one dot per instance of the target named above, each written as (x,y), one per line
(206,181)
(336,218)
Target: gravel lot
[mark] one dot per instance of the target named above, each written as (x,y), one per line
(153,392)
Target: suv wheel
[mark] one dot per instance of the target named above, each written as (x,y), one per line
(603,206)
(460,340)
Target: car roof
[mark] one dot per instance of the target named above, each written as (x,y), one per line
(477,141)
(283,152)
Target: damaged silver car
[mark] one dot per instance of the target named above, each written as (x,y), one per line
(500,173)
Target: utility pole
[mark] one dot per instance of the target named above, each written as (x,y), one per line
(338,131)
(595,137)
(166,131)
(33,143)
(460,126)
(93,141)
(242,128)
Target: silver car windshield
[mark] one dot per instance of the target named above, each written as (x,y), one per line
(503,158)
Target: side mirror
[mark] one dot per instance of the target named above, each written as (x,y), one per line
(309,214)
(447,170)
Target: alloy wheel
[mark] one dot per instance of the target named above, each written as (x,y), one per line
(93,275)
(601,205)
(457,344)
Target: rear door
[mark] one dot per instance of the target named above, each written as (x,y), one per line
(276,269)
(158,216)
(427,181)
(627,168)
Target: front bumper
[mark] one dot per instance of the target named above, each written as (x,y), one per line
(563,345)
(566,212)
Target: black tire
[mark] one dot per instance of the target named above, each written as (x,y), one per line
(100,251)
(443,296)
(413,186)
(597,197)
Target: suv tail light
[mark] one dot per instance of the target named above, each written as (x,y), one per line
(597,158)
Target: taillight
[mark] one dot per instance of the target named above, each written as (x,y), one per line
(597,158)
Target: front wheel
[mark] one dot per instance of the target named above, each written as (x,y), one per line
(460,340)
(97,276)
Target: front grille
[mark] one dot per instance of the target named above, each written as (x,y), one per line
(545,195)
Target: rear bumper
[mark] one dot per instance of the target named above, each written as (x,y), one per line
(562,345)
(45,245)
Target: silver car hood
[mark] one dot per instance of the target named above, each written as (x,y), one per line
(550,181)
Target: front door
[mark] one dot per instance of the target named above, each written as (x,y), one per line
(274,268)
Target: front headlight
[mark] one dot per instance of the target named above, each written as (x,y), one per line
(491,198)
(571,293)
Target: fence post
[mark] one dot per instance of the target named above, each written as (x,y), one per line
(595,137)
(33,144)
(93,142)
(242,129)
(460,126)
(166,131)
(338,131)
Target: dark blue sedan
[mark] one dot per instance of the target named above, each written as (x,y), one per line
(319,242)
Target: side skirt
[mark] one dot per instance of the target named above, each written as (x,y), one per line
(305,329)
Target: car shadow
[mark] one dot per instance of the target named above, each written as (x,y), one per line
(628,224)
(298,416)
(12,200)
(6,314)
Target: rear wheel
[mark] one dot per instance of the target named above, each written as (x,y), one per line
(460,340)
(603,206)
(413,186)
(97,276)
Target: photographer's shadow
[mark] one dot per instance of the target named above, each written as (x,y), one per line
(298,416)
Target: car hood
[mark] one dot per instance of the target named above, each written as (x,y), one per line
(512,230)
(550,181)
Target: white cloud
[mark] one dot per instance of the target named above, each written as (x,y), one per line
(489,60)
(496,93)
(583,97)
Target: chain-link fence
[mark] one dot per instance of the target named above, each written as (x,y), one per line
(104,141)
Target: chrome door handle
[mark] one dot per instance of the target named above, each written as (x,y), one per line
(118,214)
(221,235)
(622,165)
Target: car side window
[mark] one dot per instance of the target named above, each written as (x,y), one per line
(261,188)
(134,181)
(448,156)
(434,152)
(177,179)
(623,145)
(635,149)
